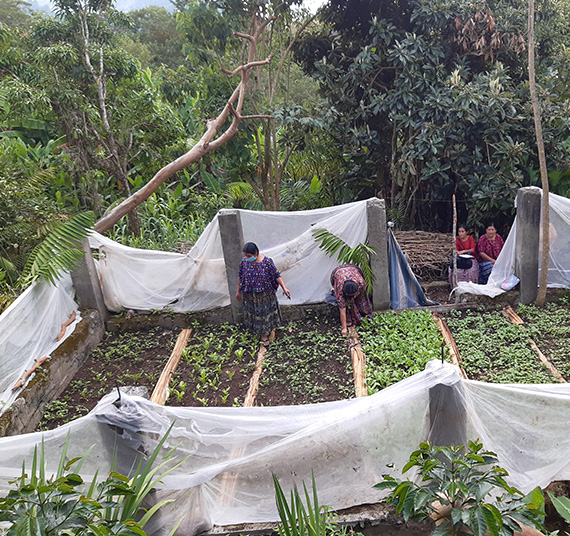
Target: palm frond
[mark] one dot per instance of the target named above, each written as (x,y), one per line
(8,268)
(240,192)
(359,255)
(41,178)
(59,252)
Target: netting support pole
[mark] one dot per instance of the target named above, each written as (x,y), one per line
(231,234)
(378,239)
(448,417)
(527,242)
(86,284)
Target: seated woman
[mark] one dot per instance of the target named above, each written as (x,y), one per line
(467,268)
(488,248)
(350,293)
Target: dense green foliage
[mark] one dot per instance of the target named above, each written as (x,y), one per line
(431,99)
(397,346)
(460,489)
(494,350)
(413,100)
(62,503)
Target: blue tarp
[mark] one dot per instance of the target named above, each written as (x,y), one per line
(405,291)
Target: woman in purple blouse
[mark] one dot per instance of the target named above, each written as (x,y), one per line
(258,282)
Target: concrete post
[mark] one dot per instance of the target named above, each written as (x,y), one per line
(231,234)
(527,242)
(86,284)
(378,239)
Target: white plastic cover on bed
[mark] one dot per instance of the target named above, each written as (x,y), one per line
(559,263)
(233,452)
(144,280)
(28,331)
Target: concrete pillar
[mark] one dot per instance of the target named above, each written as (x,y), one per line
(86,283)
(378,239)
(527,242)
(231,234)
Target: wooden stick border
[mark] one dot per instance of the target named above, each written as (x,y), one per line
(160,391)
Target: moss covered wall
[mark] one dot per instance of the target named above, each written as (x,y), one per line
(53,376)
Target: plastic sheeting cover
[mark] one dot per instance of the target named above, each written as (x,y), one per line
(143,279)
(231,453)
(28,331)
(405,291)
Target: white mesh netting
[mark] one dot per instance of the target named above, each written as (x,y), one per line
(29,330)
(231,453)
(144,280)
(559,258)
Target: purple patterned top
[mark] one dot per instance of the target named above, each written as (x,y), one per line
(258,276)
(347,272)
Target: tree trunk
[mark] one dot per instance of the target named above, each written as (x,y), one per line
(207,143)
(108,138)
(541,297)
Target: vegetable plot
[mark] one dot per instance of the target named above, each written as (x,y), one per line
(494,350)
(549,327)
(309,362)
(398,345)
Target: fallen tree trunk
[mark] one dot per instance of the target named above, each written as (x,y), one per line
(208,142)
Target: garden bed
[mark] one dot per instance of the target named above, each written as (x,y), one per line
(494,350)
(549,328)
(398,345)
(128,358)
(310,362)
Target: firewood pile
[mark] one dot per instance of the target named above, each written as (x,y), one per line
(427,253)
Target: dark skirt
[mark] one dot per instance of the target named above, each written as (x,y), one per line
(261,312)
(485,269)
(357,308)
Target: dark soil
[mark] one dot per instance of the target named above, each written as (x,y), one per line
(549,328)
(134,359)
(215,367)
(439,293)
(308,362)
(494,350)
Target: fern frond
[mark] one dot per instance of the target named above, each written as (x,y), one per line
(8,268)
(359,255)
(59,252)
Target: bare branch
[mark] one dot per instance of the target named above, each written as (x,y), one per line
(256,116)
(250,38)
(247,66)
(207,143)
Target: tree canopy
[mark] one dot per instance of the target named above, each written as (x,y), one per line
(410,100)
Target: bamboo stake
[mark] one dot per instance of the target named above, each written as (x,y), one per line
(452,349)
(159,393)
(454,246)
(254,380)
(229,480)
(358,363)
(514,318)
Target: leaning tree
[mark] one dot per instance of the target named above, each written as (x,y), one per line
(219,129)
